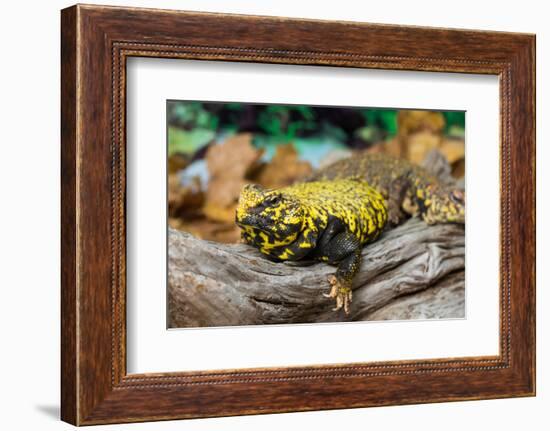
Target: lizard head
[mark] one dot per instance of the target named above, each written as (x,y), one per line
(279,216)
(441,205)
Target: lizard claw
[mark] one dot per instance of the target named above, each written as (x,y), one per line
(341,293)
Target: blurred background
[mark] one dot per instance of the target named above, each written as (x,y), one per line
(216,148)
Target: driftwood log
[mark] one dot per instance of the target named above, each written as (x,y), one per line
(413,271)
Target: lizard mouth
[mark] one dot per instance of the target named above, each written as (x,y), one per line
(254,221)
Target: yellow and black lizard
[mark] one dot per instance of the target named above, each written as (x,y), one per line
(409,189)
(341,208)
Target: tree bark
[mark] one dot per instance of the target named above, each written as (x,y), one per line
(414,271)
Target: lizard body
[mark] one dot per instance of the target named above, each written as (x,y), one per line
(327,220)
(341,208)
(408,188)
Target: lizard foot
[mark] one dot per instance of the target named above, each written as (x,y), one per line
(341,292)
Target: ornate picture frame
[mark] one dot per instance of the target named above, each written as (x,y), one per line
(96,41)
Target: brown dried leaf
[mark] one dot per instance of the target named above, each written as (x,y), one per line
(219,213)
(459,168)
(453,150)
(420,144)
(234,158)
(184,199)
(228,164)
(224,191)
(284,169)
(177,162)
(410,121)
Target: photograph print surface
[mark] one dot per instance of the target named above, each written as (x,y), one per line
(286,214)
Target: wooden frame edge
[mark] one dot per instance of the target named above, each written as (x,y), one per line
(93,393)
(69,208)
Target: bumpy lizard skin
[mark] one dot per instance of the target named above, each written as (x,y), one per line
(407,187)
(327,220)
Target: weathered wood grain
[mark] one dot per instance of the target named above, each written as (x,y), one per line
(212,284)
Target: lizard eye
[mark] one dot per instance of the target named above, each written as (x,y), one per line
(273,200)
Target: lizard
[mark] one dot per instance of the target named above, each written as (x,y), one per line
(409,189)
(318,218)
(326,220)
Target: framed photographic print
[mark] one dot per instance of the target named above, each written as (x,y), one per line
(259,217)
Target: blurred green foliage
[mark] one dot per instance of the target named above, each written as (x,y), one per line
(456,119)
(286,122)
(385,119)
(187,142)
(191,115)
(192,125)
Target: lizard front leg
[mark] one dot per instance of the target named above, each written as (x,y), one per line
(343,249)
(341,281)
